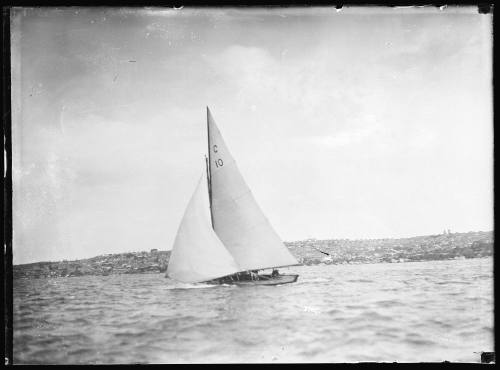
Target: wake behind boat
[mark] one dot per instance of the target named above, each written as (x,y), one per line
(224,237)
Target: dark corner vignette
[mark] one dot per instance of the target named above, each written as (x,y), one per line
(7,190)
(484,8)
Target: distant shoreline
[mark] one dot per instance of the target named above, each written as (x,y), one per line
(446,246)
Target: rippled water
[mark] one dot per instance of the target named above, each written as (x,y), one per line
(420,311)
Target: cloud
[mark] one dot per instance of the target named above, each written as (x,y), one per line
(311,90)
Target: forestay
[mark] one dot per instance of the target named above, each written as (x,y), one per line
(198,255)
(238,221)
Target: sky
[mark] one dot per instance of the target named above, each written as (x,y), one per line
(359,123)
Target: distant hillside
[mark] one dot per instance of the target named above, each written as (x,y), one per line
(308,252)
(419,248)
(123,263)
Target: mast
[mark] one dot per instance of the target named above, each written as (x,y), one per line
(207,161)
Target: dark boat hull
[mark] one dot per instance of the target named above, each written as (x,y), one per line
(265,280)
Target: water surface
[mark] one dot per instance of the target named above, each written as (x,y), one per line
(406,312)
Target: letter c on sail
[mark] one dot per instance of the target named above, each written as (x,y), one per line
(215,148)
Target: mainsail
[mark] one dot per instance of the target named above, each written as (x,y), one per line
(237,219)
(198,254)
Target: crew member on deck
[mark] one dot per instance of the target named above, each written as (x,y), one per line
(275,273)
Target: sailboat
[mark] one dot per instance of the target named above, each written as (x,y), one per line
(224,237)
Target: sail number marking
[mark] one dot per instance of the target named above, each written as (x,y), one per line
(218,162)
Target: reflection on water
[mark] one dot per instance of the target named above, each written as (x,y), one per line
(421,311)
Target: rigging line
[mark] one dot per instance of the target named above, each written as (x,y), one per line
(209,190)
(209,177)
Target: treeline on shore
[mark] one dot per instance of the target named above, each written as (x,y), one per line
(308,252)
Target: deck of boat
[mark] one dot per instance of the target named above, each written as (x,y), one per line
(267,280)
